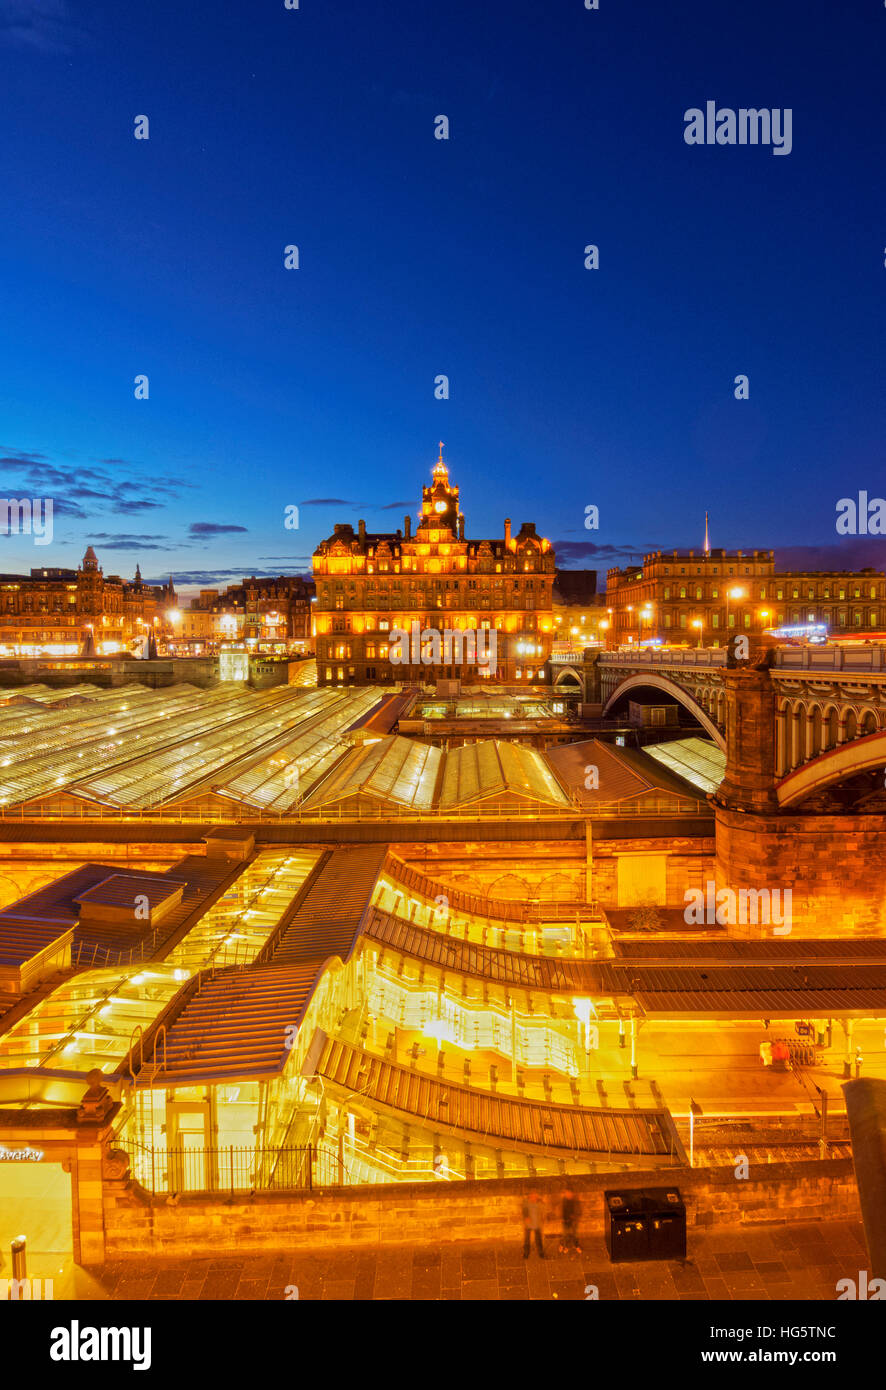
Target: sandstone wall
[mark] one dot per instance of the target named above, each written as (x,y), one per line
(835,867)
(432,1214)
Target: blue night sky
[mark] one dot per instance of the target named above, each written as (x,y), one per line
(419,256)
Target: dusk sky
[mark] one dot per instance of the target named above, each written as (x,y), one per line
(419,257)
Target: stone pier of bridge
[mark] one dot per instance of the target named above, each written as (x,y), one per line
(834,864)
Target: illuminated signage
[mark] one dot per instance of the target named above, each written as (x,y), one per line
(813,632)
(20,1155)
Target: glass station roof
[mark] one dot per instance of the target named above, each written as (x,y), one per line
(235,929)
(137,748)
(696,760)
(89,1020)
(494,768)
(393,769)
(487,706)
(292,771)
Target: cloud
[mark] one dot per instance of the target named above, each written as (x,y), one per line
(212,528)
(63,506)
(326,502)
(210,579)
(102,488)
(132,545)
(395,506)
(133,506)
(119,538)
(849,553)
(574,551)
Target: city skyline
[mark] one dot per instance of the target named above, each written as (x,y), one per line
(571,387)
(442,670)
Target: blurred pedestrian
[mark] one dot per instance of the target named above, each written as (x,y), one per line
(570,1210)
(532,1225)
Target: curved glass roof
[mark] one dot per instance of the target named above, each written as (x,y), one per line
(169,745)
(696,760)
(498,769)
(89,1020)
(394,770)
(286,777)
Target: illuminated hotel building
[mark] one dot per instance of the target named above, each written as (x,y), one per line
(369,585)
(55,610)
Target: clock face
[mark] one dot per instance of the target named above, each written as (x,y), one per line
(439,506)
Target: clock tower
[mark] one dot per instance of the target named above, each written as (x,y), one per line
(439,503)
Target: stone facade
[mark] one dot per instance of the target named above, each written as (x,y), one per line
(728,592)
(370,586)
(833,865)
(56,610)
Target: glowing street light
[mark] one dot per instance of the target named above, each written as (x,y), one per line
(697,622)
(583,1009)
(731,593)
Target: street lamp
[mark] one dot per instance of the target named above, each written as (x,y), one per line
(697,622)
(647,614)
(731,593)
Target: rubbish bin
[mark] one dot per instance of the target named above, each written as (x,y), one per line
(645,1224)
(667,1233)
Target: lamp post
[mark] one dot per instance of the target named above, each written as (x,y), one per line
(697,622)
(731,593)
(694,1110)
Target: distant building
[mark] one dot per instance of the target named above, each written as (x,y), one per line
(580,615)
(683,596)
(372,586)
(56,611)
(271,615)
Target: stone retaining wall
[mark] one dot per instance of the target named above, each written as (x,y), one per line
(433,1214)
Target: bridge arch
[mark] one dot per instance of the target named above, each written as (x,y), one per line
(678,693)
(568,676)
(834,765)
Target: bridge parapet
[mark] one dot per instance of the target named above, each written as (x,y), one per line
(859,659)
(854,659)
(651,656)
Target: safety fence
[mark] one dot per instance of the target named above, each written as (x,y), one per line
(219,1169)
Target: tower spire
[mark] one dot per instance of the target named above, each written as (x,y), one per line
(707,541)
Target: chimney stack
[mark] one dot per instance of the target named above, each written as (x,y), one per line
(407,528)
(361,531)
(508,532)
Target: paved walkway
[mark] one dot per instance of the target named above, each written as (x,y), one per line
(748,1263)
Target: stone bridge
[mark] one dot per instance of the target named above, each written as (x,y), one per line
(824,699)
(802,804)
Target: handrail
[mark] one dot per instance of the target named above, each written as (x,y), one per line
(494,909)
(666,804)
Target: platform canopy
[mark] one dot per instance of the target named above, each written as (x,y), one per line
(498,771)
(394,771)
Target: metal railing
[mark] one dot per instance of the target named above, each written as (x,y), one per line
(662,806)
(219,1169)
(407,877)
